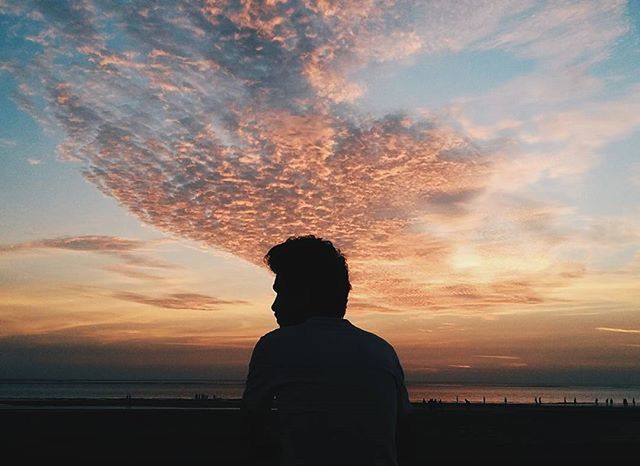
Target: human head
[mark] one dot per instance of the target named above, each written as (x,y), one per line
(312,279)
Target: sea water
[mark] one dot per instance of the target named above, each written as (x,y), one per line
(185,389)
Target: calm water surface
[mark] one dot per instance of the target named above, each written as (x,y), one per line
(233,389)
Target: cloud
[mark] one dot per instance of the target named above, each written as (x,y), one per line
(92,243)
(133,263)
(191,301)
(132,271)
(238,124)
(617,330)
(556,32)
(7,143)
(245,143)
(490,356)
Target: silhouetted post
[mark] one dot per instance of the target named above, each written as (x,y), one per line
(634,401)
(457,399)
(596,401)
(565,400)
(624,402)
(535,400)
(505,400)
(575,401)
(484,401)
(539,400)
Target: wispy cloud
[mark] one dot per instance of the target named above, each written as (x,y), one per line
(7,143)
(617,330)
(93,243)
(133,257)
(133,271)
(497,356)
(192,301)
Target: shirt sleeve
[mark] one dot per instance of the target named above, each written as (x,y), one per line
(404,405)
(258,391)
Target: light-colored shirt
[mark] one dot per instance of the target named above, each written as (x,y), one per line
(339,391)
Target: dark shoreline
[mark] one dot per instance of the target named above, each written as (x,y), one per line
(231,402)
(188,431)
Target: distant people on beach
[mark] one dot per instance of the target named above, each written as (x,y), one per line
(339,390)
(432,402)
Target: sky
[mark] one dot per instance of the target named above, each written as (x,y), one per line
(478,163)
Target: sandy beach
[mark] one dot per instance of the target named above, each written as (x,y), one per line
(213,432)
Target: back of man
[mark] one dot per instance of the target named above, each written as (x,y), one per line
(339,391)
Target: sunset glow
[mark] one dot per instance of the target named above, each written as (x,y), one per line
(477,162)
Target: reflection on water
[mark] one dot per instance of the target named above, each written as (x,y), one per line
(233,389)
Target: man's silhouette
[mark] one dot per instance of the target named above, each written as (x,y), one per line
(339,390)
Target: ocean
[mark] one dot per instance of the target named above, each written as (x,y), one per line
(186,389)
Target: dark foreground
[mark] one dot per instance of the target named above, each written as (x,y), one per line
(214,432)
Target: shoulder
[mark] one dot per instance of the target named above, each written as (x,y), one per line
(268,338)
(374,340)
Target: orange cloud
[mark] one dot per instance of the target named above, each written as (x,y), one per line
(193,301)
(617,330)
(93,243)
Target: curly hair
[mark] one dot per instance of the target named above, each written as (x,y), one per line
(315,264)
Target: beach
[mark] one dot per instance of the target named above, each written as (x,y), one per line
(147,431)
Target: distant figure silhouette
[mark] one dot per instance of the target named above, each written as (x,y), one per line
(339,390)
